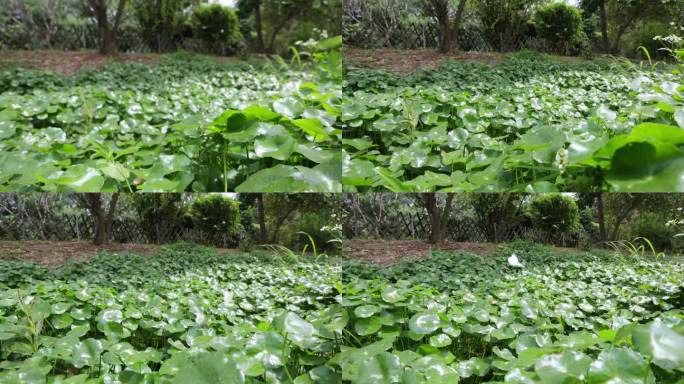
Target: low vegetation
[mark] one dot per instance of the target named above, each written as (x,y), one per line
(523,315)
(189,124)
(184,315)
(531,123)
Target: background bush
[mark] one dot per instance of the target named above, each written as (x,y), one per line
(218,26)
(311,223)
(497,214)
(216,214)
(559,22)
(651,225)
(160,213)
(644,37)
(555,214)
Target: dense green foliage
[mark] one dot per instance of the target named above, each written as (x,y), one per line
(554,213)
(554,26)
(188,124)
(285,23)
(185,315)
(645,37)
(503,22)
(453,317)
(161,21)
(216,214)
(167,25)
(559,22)
(650,225)
(562,318)
(217,25)
(530,123)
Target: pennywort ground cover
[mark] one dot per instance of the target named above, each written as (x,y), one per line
(561,318)
(190,314)
(185,315)
(188,124)
(531,123)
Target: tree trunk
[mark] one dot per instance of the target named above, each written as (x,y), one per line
(447,39)
(103,220)
(601,218)
(93,202)
(162,22)
(114,32)
(263,234)
(457,20)
(110,217)
(435,221)
(605,40)
(438,217)
(621,31)
(276,31)
(279,223)
(99,8)
(108,46)
(446,211)
(621,216)
(440,9)
(259,28)
(108,33)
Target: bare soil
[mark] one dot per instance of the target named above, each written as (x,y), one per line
(70,62)
(390,252)
(56,253)
(405,61)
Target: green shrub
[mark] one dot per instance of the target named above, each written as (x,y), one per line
(555,214)
(216,214)
(644,37)
(160,214)
(651,226)
(497,214)
(161,22)
(559,22)
(313,224)
(218,26)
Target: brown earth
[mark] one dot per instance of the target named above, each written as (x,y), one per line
(69,62)
(55,253)
(404,61)
(389,252)
(408,61)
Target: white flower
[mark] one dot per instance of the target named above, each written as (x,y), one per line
(514,262)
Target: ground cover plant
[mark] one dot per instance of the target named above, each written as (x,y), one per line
(531,123)
(187,314)
(188,124)
(525,314)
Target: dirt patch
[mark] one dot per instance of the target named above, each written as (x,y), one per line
(389,252)
(70,62)
(408,61)
(54,253)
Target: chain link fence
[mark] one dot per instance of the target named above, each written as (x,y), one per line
(422,35)
(400,24)
(129,40)
(81,227)
(84,36)
(416,225)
